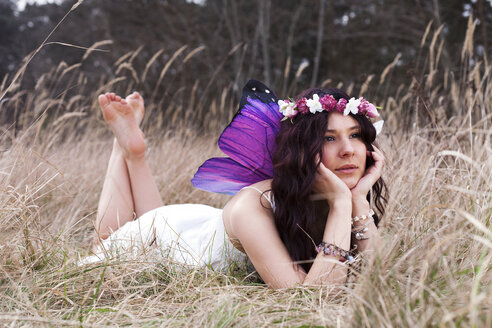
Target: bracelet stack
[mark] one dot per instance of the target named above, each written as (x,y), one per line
(330,249)
(358,232)
(359,229)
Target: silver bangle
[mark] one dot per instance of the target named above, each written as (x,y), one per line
(359,232)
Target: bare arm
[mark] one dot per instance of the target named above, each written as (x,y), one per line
(254,226)
(327,269)
(360,205)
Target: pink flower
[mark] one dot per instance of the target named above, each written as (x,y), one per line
(329,103)
(372,111)
(302,106)
(364,106)
(342,103)
(368,109)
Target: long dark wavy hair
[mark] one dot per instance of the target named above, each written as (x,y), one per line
(298,218)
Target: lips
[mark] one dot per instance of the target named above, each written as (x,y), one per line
(347,169)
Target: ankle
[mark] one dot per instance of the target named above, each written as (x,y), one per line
(133,150)
(135,158)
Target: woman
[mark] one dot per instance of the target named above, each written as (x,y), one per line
(311,186)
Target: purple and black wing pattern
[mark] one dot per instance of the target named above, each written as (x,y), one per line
(249,141)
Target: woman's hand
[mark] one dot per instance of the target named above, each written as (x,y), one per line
(372,174)
(330,186)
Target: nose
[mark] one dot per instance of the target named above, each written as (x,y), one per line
(346,148)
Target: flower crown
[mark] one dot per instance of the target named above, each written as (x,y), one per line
(290,108)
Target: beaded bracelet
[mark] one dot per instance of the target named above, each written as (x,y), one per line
(363,217)
(330,249)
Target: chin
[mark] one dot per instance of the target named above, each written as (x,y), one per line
(351,183)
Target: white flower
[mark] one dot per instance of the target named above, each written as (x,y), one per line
(314,104)
(352,106)
(287,108)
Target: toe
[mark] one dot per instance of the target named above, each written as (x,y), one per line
(135,96)
(103,100)
(122,107)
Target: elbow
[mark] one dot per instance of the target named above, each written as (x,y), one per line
(293,281)
(337,276)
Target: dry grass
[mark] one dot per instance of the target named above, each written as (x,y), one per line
(434,270)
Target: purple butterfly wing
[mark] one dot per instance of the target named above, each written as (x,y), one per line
(224,175)
(249,140)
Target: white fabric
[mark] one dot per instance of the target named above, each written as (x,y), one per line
(191,234)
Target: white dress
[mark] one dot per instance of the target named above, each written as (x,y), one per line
(190,234)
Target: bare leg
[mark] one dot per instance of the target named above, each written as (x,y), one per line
(146,196)
(116,201)
(129,189)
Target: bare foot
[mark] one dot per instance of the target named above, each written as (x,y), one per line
(122,120)
(137,103)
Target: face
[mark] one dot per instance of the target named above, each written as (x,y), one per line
(344,152)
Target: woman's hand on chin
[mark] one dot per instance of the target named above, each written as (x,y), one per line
(370,177)
(331,187)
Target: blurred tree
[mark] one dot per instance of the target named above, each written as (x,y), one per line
(272,40)
(8,29)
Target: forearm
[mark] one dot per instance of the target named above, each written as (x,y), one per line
(361,207)
(327,269)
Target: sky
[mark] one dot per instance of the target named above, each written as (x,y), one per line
(21,4)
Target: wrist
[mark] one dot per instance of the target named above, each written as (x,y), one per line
(339,213)
(359,198)
(360,206)
(339,197)
(338,226)
(341,204)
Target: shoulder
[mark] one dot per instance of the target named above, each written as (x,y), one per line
(248,204)
(251,196)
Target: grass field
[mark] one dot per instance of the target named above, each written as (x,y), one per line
(434,268)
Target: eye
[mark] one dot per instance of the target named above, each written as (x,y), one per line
(329,138)
(355,135)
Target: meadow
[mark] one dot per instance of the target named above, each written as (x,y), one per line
(433,270)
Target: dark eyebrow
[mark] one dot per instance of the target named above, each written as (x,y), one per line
(355,127)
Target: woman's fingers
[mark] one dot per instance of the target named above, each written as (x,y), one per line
(378,157)
(323,171)
(373,173)
(328,182)
(378,161)
(322,167)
